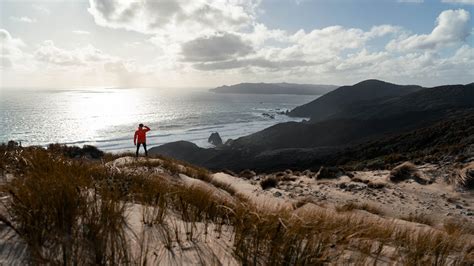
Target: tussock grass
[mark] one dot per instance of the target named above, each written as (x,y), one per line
(63,216)
(419,218)
(176,167)
(87,151)
(350,206)
(73,212)
(465,177)
(458,226)
(405,171)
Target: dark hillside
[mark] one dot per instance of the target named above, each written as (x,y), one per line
(361,94)
(448,140)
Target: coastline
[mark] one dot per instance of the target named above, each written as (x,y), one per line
(196,135)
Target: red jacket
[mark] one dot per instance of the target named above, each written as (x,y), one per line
(140,135)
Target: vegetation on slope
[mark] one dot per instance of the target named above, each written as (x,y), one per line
(74,211)
(448,140)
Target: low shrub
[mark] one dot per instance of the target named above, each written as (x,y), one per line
(269,182)
(87,151)
(247,174)
(376,184)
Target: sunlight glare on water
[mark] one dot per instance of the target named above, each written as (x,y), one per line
(95,111)
(107,118)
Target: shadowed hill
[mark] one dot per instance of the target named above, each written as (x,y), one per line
(362,94)
(361,123)
(184,150)
(428,99)
(298,145)
(450,139)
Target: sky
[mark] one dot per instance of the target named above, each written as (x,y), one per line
(208,43)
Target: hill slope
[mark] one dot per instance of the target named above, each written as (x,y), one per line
(447,140)
(360,95)
(302,144)
(361,123)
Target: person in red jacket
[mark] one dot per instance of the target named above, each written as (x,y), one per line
(140,138)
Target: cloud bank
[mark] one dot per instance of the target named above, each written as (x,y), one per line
(215,41)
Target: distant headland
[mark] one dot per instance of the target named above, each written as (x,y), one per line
(276,88)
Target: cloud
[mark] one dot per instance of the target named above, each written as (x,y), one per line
(49,53)
(345,55)
(411,1)
(333,39)
(10,49)
(299,2)
(252,62)
(466,2)
(42,9)
(190,41)
(179,20)
(8,41)
(215,48)
(452,27)
(81,32)
(23,19)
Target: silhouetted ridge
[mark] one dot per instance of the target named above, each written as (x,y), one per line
(362,94)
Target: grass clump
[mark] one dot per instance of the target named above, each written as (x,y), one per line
(63,216)
(458,226)
(418,218)
(269,182)
(87,151)
(405,171)
(465,177)
(351,206)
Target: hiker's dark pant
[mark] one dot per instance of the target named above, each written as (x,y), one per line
(144,146)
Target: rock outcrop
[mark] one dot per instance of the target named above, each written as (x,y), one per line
(215,139)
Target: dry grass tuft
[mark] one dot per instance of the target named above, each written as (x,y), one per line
(418,218)
(458,226)
(405,171)
(465,178)
(350,206)
(63,216)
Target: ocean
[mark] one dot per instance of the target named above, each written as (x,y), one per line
(107,118)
